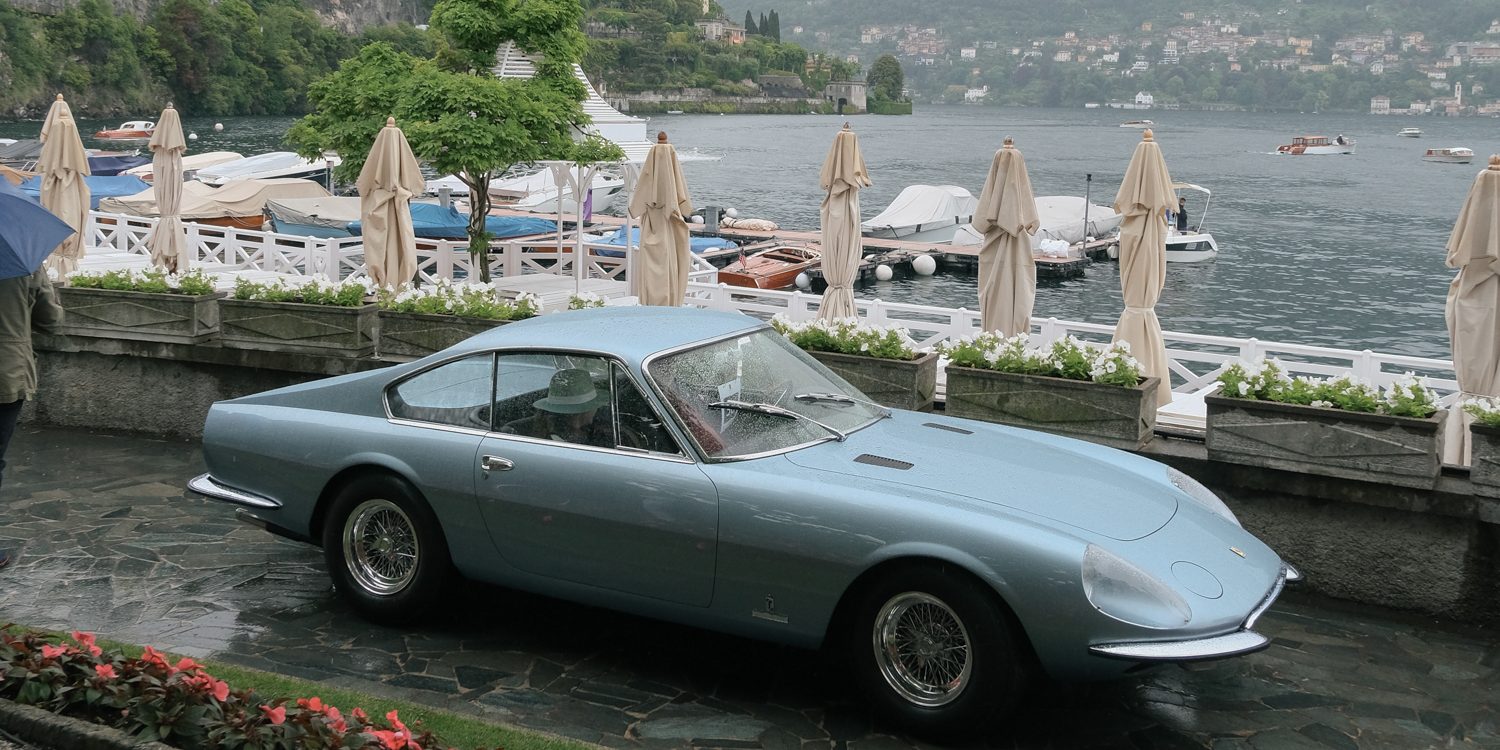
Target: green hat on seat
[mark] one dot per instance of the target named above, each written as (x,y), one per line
(571,392)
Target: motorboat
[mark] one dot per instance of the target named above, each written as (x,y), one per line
(191,163)
(1137,124)
(1067,218)
(434,222)
(270,166)
(923,213)
(135,130)
(101,187)
(318,216)
(1453,155)
(239,204)
(1191,245)
(774,267)
(1315,145)
(1410,133)
(115,163)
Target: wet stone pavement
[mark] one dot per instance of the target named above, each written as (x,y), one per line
(110,543)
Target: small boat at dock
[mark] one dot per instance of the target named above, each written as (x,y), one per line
(270,166)
(1451,155)
(135,130)
(923,213)
(1316,145)
(1410,133)
(772,268)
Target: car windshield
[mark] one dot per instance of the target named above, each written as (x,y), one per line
(758,394)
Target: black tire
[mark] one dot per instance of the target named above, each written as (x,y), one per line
(919,605)
(385,549)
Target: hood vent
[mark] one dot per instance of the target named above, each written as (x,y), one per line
(889,463)
(948,427)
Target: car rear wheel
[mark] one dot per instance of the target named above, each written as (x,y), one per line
(385,549)
(935,652)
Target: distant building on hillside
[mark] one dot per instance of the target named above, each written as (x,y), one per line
(721,30)
(1380,105)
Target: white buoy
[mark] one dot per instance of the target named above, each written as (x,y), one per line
(218,127)
(803,281)
(192,136)
(731,213)
(924,265)
(883,272)
(697,219)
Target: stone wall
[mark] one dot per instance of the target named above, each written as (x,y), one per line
(1435,551)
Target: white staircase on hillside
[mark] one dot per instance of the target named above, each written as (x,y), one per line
(629,133)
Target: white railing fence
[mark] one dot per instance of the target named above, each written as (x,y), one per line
(1194,360)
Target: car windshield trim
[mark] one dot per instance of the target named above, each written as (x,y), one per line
(679,424)
(776,411)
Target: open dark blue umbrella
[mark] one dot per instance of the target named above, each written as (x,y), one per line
(28,233)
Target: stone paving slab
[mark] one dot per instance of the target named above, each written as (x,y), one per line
(111,543)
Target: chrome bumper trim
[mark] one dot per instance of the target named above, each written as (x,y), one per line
(205,485)
(1242,641)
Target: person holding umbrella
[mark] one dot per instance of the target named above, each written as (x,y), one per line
(28,234)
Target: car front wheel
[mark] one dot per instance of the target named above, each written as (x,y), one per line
(935,652)
(385,549)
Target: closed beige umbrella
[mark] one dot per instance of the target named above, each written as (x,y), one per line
(1473,308)
(1145,194)
(390,178)
(843,175)
(63,165)
(660,203)
(1006,216)
(168,245)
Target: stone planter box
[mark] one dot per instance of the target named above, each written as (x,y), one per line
(1108,414)
(1403,451)
(140,316)
(1484,462)
(300,328)
(405,335)
(900,384)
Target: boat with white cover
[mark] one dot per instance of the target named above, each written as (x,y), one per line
(1060,218)
(273,165)
(191,163)
(1137,124)
(923,213)
(1452,155)
(1410,133)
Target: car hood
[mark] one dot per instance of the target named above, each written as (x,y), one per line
(1097,489)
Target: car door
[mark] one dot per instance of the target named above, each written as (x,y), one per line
(614,503)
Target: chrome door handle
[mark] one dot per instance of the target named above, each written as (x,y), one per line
(495,463)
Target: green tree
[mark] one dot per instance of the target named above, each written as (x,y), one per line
(886,80)
(457,115)
(750,24)
(775,32)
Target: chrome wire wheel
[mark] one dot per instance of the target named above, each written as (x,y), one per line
(922,649)
(380,547)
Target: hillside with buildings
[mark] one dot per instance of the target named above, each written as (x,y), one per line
(1387,56)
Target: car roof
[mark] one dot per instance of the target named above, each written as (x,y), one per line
(630,332)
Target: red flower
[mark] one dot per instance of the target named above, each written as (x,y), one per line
(84,639)
(152,656)
(314,704)
(277,715)
(221,691)
(50,651)
(361,716)
(339,725)
(187,665)
(396,722)
(106,671)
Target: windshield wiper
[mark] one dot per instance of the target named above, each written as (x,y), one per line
(775,411)
(839,398)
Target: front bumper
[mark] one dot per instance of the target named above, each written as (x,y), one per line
(1242,641)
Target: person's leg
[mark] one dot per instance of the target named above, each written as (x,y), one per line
(9,414)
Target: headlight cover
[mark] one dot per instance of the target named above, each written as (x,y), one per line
(1129,594)
(1201,495)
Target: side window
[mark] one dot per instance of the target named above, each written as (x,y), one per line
(640,427)
(559,397)
(457,393)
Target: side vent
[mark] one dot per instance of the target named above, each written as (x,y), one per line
(889,463)
(948,427)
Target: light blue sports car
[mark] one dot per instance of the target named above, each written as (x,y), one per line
(694,466)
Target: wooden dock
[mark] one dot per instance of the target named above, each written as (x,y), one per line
(898,254)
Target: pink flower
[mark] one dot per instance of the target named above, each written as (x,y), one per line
(277,715)
(50,651)
(106,671)
(339,725)
(361,716)
(152,656)
(84,639)
(187,665)
(314,704)
(221,691)
(395,721)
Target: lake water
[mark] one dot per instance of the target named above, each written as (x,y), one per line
(1342,251)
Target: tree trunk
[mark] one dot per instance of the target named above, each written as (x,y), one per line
(479,210)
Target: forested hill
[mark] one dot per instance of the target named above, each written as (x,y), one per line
(1015,20)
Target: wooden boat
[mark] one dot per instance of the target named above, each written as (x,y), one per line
(1452,155)
(1317,144)
(772,268)
(135,130)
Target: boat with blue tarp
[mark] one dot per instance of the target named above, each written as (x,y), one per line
(434,222)
(100,187)
(698,245)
